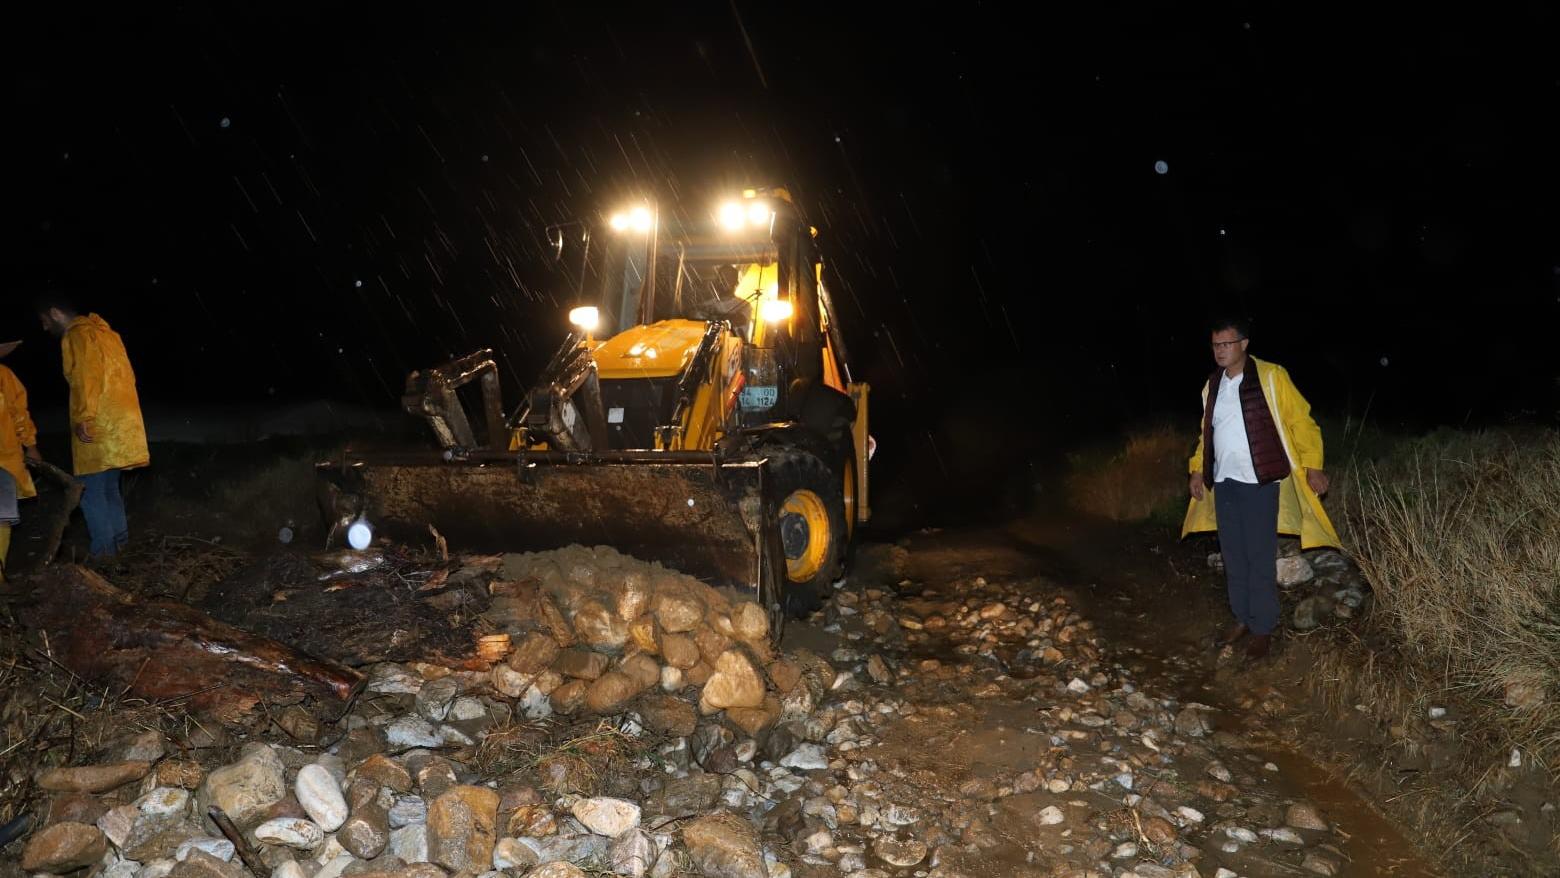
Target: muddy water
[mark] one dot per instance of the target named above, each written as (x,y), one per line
(1373,845)
(1154,626)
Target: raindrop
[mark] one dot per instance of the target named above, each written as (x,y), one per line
(357,283)
(837,138)
(484,157)
(1223,232)
(67,156)
(226,122)
(1383,361)
(1161,167)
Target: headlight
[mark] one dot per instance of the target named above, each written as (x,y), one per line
(735,216)
(360,534)
(732,216)
(638,219)
(586,318)
(775,310)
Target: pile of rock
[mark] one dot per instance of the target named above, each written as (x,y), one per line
(399,793)
(595,629)
(1317,587)
(705,721)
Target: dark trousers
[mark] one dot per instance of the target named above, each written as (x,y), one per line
(1248,539)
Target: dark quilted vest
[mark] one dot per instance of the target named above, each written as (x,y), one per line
(1267,449)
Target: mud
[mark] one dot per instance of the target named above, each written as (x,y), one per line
(972,724)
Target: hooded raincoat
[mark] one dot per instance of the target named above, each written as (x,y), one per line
(1300,511)
(103,398)
(16,432)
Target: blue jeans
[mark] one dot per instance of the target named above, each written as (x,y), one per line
(1248,537)
(104,510)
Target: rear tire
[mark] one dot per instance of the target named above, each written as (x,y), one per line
(813,529)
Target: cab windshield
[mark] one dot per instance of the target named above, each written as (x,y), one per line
(637,282)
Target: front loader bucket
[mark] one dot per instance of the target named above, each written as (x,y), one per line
(714,521)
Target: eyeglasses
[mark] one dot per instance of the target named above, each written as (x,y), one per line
(1221,345)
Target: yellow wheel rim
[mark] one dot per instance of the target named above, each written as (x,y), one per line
(850,497)
(804,533)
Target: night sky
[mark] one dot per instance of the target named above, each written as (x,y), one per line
(277,202)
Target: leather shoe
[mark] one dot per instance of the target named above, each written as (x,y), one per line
(1232,635)
(1259,646)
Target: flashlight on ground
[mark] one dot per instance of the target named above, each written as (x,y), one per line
(360,534)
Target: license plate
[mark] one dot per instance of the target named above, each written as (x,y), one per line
(759,397)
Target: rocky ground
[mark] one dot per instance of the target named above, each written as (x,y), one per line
(951,712)
(1034,746)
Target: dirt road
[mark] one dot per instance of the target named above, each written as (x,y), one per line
(1055,710)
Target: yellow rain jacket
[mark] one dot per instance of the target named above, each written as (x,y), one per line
(102,396)
(1300,511)
(16,432)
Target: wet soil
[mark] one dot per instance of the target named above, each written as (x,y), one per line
(325,606)
(1156,622)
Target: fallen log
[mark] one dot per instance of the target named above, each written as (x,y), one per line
(162,650)
(36,539)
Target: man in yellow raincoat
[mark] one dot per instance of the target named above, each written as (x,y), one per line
(18,444)
(1257,472)
(107,434)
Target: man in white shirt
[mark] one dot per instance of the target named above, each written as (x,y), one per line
(1257,433)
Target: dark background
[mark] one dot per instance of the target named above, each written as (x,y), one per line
(282,201)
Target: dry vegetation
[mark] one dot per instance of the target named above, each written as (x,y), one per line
(1144,479)
(1459,536)
(1456,662)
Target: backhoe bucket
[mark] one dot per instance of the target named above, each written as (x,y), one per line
(713,521)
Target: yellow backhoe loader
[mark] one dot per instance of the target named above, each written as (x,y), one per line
(700,413)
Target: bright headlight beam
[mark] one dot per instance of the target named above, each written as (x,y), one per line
(732,216)
(775,310)
(758,214)
(640,220)
(585,317)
